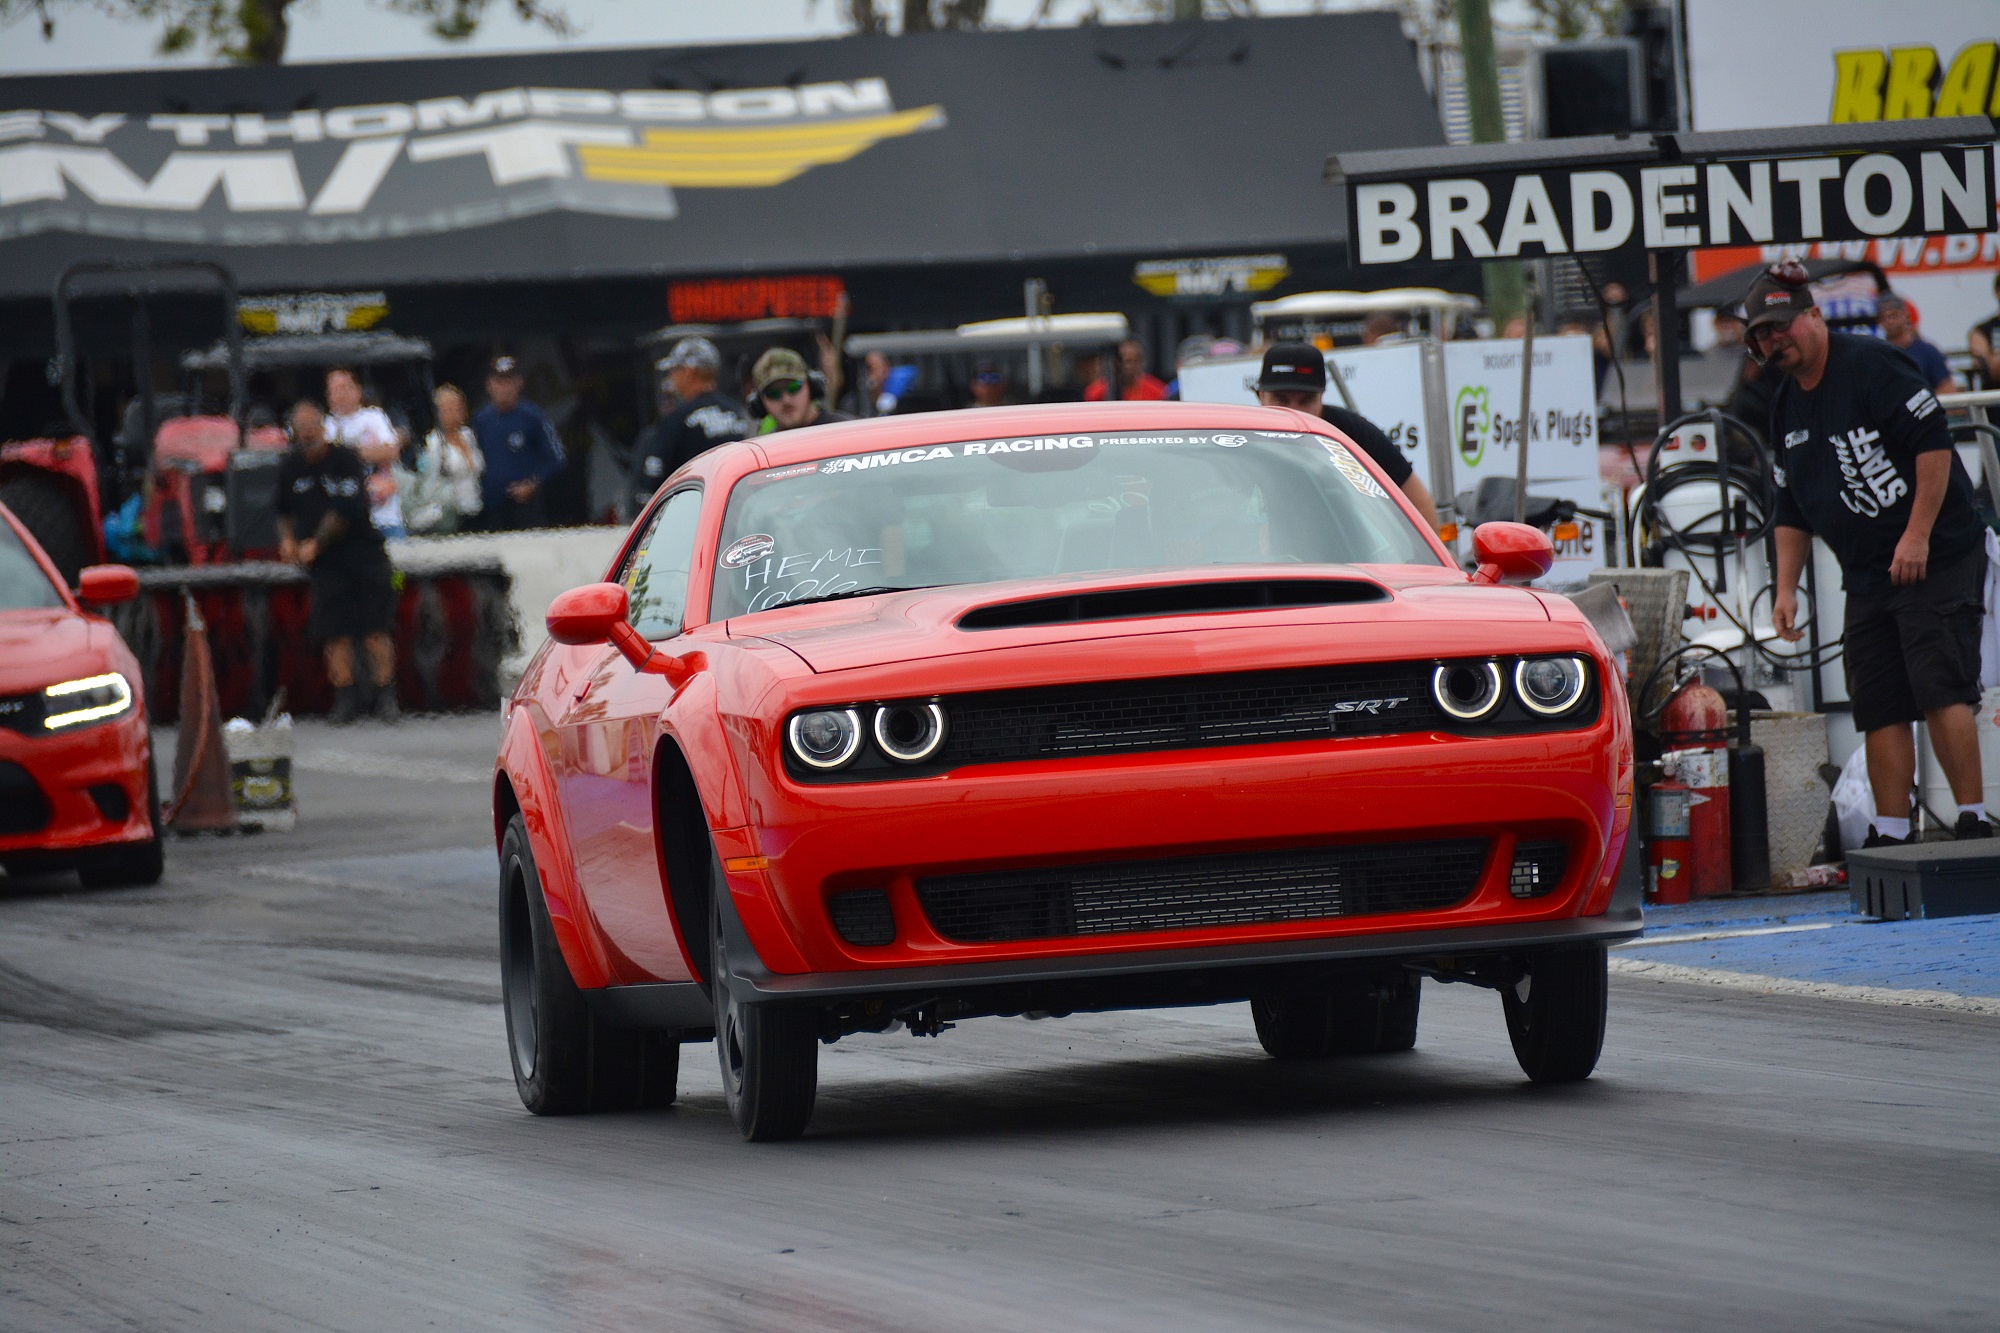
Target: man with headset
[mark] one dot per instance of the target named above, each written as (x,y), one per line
(1865,462)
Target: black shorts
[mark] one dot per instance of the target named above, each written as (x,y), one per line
(1910,650)
(353,594)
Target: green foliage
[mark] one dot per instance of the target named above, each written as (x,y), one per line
(881,17)
(255,32)
(1579,20)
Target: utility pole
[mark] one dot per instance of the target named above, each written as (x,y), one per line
(1482,98)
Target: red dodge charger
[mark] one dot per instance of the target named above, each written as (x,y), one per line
(76,759)
(1031,711)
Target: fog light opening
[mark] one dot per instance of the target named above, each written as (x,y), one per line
(1538,868)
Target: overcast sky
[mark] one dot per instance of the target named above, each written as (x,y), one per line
(86,39)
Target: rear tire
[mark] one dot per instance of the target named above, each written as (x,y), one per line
(48,510)
(768,1053)
(566,1060)
(129,864)
(1555,1013)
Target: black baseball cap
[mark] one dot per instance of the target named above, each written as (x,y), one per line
(1780,294)
(1292,366)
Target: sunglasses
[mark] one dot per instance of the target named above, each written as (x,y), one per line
(782,389)
(1755,337)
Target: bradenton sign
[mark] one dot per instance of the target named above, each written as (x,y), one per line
(1587,196)
(432,165)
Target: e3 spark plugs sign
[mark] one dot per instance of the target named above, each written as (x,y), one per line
(428,165)
(1590,196)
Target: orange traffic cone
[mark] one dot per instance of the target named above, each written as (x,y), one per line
(202,800)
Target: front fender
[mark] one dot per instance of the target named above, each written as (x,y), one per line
(524,763)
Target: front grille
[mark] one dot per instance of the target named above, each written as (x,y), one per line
(1185,893)
(1188,712)
(23,713)
(24,808)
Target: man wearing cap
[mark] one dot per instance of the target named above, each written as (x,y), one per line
(704,419)
(521,451)
(1865,462)
(785,392)
(989,385)
(1294,376)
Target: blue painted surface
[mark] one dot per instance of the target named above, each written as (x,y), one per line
(1958,955)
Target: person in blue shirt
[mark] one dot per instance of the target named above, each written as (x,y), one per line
(1892,312)
(521,450)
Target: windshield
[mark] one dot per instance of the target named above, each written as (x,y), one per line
(986,510)
(23,585)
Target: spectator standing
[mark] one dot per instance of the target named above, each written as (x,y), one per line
(323,493)
(1984,343)
(1381,327)
(444,492)
(882,386)
(521,450)
(705,418)
(369,432)
(1899,330)
(1135,384)
(989,385)
(1294,375)
(1865,461)
(785,392)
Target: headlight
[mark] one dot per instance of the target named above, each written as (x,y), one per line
(1467,691)
(91,699)
(909,733)
(825,738)
(1549,685)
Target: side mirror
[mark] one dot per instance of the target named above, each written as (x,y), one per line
(585,615)
(1511,553)
(104,585)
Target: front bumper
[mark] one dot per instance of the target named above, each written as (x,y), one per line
(93,783)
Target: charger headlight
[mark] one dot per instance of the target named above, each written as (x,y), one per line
(1467,691)
(824,738)
(73,703)
(1550,686)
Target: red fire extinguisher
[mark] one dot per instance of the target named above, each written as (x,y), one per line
(1694,731)
(1669,852)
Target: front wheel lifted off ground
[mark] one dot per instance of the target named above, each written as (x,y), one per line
(1354,1016)
(1555,1013)
(566,1059)
(769,1053)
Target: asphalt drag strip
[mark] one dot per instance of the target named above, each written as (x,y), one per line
(273,1093)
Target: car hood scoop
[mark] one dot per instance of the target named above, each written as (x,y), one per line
(1172,599)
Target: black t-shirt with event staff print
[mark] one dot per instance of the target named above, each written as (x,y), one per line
(1847,461)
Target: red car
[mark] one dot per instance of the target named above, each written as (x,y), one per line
(76,758)
(1030,711)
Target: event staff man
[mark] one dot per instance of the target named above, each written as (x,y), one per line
(1294,376)
(704,419)
(323,493)
(1865,462)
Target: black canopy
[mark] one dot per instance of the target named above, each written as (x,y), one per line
(934,148)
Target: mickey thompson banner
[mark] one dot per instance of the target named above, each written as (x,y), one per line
(1496,215)
(436,164)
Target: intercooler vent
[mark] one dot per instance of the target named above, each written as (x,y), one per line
(1174,599)
(1189,893)
(862,916)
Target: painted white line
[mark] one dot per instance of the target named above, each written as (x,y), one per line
(1655,941)
(1824,990)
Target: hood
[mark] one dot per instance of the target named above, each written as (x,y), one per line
(926,623)
(39,648)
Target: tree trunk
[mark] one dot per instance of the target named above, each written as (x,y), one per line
(265,31)
(917,16)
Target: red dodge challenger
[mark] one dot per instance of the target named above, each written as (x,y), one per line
(76,759)
(1038,710)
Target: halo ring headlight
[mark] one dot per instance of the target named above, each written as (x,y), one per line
(909,733)
(1550,686)
(824,738)
(1468,691)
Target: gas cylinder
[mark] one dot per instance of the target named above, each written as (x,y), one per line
(1668,850)
(1694,731)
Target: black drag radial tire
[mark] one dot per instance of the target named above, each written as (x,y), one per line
(566,1060)
(129,864)
(1292,1025)
(768,1053)
(1555,1013)
(1353,1016)
(45,508)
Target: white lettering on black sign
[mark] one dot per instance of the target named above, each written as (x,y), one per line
(1777,201)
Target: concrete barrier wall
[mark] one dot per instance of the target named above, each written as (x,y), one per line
(539,565)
